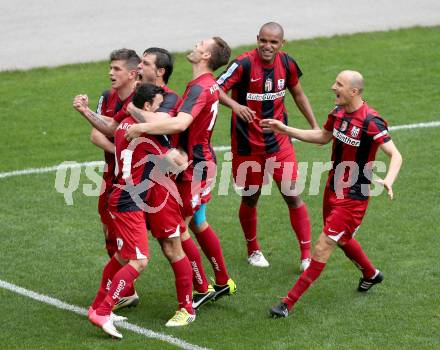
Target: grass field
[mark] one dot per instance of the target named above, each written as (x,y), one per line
(57,250)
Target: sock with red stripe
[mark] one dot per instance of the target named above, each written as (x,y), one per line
(300,221)
(122,281)
(355,253)
(109,271)
(210,245)
(183,277)
(199,279)
(303,283)
(248,221)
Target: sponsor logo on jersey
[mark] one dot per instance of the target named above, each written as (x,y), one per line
(124,126)
(280,84)
(265,97)
(268,85)
(355,131)
(344,138)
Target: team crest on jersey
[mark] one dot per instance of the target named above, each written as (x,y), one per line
(355,131)
(268,85)
(344,126)
(280,84)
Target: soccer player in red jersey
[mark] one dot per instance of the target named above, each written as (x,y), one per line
(357,132)
(122,74)
(156,67)
(142,193)
(195,122)
(258,80)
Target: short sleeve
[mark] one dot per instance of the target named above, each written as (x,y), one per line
(378,130)
(194,101)
(328,125)
(294,72)
(231,76)
(102,102)
(169,104)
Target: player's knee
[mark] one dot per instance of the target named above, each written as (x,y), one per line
(251,200)
(139,264)
(293,201)
(172,248)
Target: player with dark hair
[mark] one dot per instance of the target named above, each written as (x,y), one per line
(156,67)
(123,65)
(143,193)
(195,122)
(258,80)
(357,132)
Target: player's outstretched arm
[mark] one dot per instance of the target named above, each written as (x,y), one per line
(396,160)
(313,136)
(104,124)
(243,112)
(303,105)
(142,116)
(168,126)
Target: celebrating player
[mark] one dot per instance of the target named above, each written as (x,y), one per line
(258,80)
(357,132)
(195,121)
(156,68)
(140,182)
(123,63)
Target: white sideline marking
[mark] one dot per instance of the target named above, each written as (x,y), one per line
(83,312)
(216,148)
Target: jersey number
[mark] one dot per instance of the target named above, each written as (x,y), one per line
(214,110)
(126,156)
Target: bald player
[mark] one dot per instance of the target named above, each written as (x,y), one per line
(357,132)
(259,80)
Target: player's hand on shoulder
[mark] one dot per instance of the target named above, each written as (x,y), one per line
(133,132)
(244,112)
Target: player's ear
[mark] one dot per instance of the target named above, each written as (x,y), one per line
(133,73)
(160,72)
(147,106)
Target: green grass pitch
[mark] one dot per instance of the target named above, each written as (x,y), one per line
(57,250)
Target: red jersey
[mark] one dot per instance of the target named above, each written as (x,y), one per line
(262,88)
(134,164)
(110,105)
(201,100)
(356,138)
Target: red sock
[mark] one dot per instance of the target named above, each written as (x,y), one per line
(303,283)
(355,253)
(123,279)
(183,276)
(108,273)
(199,279)
(210,245)
(248,221)
(299,219)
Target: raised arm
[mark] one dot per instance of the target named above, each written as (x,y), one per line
(396,160)
(303,105)
(104,124)
(168,126)
(142,116)
(313,136)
